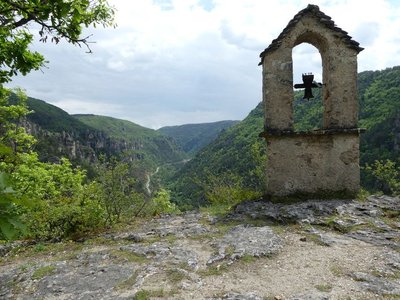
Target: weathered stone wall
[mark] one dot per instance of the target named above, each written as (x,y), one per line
(314,164)
(322,163)
(278,90)
(339,77)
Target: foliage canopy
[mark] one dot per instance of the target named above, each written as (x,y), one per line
(54,20)
(57,20)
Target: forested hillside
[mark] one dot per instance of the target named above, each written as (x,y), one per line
(145,143)
(83,138)
(239,150)
(55,131)
(45,200)
(53,118)
(193,137)
(380,114)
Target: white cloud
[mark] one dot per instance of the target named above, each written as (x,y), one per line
(184,61)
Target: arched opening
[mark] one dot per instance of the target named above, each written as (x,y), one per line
(307,114)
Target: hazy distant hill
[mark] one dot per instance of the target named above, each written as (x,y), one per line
(193,137)
(379,97)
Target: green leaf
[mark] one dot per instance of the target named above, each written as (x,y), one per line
(7,229)
(16,222)
(5,185)
(5,199)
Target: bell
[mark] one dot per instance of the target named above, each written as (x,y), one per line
(308,84)
(308,94)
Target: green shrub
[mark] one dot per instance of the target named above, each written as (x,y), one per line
(228,189)
(387,174)
(161,203)
(64,217)
(10,223)
(43,272)
(116,190)
(59,203)
(13,141)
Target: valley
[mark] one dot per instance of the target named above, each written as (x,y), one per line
(214,149)
(297,200)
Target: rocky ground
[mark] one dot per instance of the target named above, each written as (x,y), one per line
(311,250)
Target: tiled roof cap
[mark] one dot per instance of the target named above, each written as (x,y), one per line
(314,11)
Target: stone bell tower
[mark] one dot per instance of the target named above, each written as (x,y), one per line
(321,163)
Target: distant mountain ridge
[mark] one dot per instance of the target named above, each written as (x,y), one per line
(193,137)
(52,118)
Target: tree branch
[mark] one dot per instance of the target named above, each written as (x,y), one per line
(22,22)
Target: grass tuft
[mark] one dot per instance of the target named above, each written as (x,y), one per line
(326,288)
(175,275)
(128,283)
(43,272)
(213,270)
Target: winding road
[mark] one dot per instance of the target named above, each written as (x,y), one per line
(148,180)
(148,176)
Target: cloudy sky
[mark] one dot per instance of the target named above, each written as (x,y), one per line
(172,62)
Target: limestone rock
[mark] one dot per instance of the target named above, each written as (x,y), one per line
(245,240)
(377,285)
(237,296)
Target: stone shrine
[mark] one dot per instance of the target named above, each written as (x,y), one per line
(321,163)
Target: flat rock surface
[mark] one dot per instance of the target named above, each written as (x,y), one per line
(312,250)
